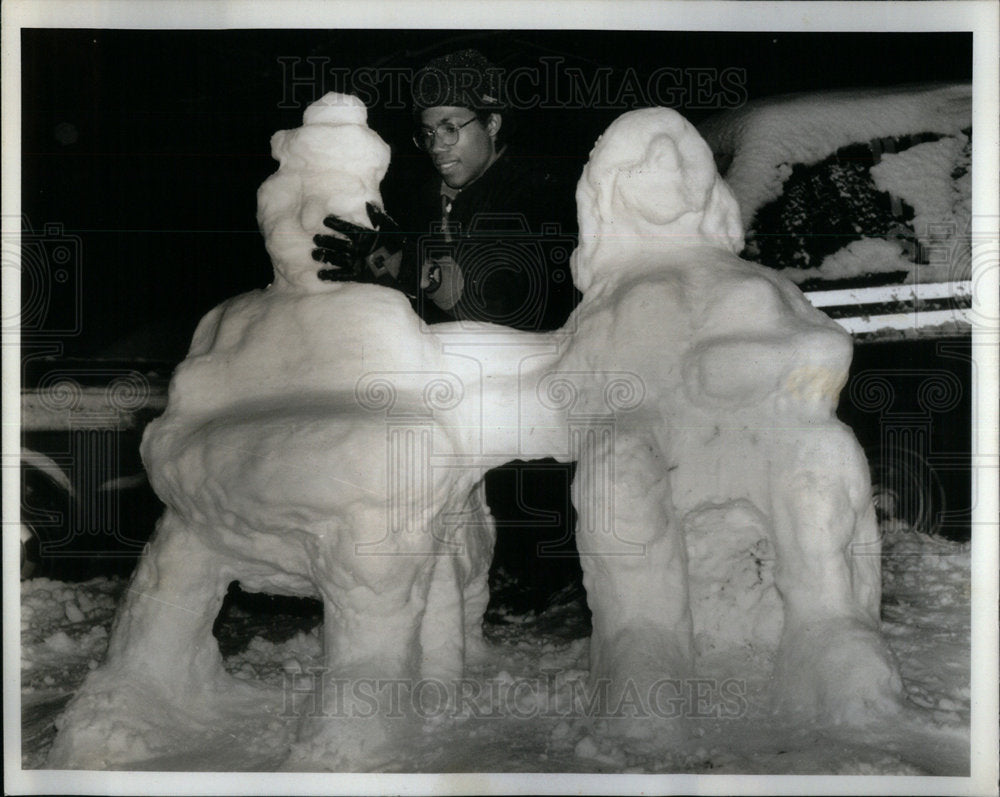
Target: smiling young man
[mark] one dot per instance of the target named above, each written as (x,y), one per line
(489,238)
(460,158)
(494,233)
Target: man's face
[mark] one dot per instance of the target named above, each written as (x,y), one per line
(462,162)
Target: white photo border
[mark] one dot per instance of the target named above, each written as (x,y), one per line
(979,17)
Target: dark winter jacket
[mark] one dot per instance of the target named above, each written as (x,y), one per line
(511,231)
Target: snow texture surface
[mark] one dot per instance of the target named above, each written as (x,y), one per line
(922,231)
(522,722)
(319,440)
(765,138)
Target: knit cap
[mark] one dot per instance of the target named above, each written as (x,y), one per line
(465,79)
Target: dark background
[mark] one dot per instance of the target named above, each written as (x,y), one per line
(143,150)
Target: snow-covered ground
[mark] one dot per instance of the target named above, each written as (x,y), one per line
(521,716)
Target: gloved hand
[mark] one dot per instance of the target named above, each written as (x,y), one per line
(442,280)
(363,254)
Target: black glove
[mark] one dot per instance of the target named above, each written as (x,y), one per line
(364,253)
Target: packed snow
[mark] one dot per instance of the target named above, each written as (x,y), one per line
(521,718)
(320,441)
(935,179)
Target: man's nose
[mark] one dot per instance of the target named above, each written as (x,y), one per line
(437,145)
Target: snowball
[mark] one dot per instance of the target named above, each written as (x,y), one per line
(586,748)
(61,642)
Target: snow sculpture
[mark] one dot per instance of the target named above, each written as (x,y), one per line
(274,470)
(320,440)
(741,376)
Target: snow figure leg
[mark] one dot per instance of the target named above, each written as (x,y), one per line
(163,672)
(459,592)
(442,646)
(374,598)
(634,567)
(476,538)
(833,665)
(171,605)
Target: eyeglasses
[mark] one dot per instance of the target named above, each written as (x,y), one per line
(445,132)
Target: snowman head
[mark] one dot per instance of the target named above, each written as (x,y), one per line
(332,165)
(650,186)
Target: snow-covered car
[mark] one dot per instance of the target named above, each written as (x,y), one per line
(863,198)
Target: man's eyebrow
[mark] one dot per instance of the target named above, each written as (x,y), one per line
(451,120)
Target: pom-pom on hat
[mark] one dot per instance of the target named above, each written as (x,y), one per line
(465,79)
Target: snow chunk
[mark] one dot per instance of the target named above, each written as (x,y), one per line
(604,753)
(734,602)
(935,178)
(60,642)
(864,256)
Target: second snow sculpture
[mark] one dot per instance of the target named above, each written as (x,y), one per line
(320,440)
(741,376)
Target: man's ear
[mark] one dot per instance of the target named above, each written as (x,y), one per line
(493,124)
